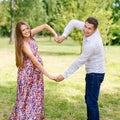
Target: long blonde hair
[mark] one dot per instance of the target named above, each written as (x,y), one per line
(19,44)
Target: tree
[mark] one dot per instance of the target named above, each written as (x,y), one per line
(27,10)
(12,21)
(58,13)
(67,10)
(3,19)
(115,31)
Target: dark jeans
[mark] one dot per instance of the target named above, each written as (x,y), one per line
(93,82)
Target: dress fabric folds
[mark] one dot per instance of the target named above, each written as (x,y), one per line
(30,90)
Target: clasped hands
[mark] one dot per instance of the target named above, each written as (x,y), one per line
(59,39)
(58,78)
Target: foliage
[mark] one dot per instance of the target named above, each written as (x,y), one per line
(4,24)
(116,23)
(116,35)
(30,11)
(57,13)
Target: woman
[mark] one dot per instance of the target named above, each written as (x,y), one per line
(30,90)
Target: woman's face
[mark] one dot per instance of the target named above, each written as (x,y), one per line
(25,31)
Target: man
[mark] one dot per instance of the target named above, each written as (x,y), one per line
(93,57)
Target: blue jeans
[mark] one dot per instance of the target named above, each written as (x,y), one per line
(93,82)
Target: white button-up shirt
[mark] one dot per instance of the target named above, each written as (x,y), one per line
(92,51)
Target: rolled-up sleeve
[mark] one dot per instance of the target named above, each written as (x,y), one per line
(71,25)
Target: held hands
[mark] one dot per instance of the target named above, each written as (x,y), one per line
(57,78)
(59,39)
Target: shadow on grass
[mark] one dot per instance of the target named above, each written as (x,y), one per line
(57,107)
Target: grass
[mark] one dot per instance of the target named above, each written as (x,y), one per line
(64,100)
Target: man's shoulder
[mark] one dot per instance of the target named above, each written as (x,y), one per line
(95,36)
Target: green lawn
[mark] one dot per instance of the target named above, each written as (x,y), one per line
(64,100)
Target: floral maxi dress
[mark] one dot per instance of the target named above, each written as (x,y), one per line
(30,90)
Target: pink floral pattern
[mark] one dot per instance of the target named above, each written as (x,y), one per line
(30,90)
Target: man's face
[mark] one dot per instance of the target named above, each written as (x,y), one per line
(88,29)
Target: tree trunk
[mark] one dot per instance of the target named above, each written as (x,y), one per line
(12,33)
(12,23)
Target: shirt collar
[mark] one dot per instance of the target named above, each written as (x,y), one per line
(91,36)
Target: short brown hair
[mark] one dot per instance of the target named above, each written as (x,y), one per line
(93,21)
